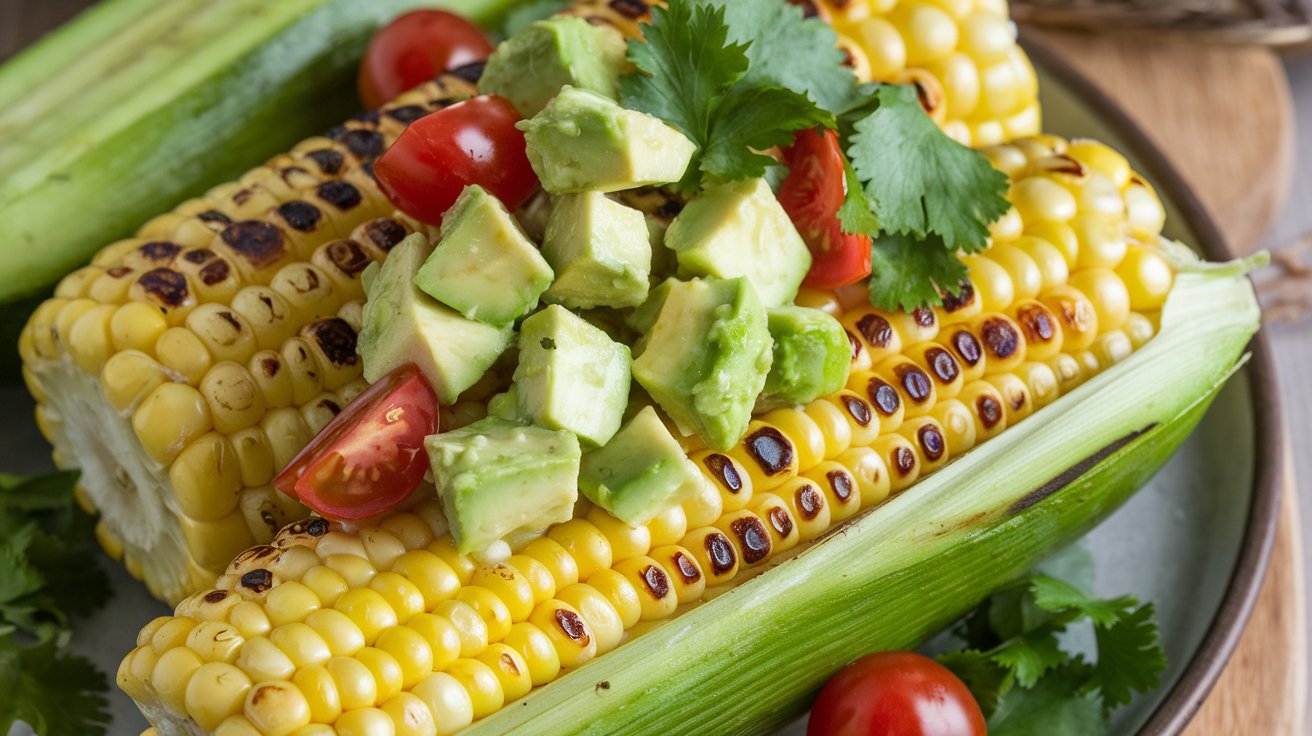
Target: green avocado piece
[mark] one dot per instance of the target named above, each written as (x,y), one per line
(404,325)
(641,319)
(484,267)
(571,375)
(600,251)
(811,357)
(705,358)
(739,229)
(530,67)
(496,477)
(582,141)
(663,261)
(640,472)
(505,406)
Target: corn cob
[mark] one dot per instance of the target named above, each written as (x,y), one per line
(183,367)
(387,629)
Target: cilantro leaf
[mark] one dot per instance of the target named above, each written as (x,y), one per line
(1029,656)
(1129,658)
(920,181)
(790,51)
(855,214)
(1054,705)
(987,681)
(762,117)
(1058,596)
(52,691)
(906,274)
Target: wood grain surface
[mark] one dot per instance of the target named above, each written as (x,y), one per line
(1223,115)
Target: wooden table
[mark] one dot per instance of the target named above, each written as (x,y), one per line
(1218,113)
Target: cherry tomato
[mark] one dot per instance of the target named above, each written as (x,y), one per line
(371,457)
(895,694)
(471,142)
(811,195)
(416,47)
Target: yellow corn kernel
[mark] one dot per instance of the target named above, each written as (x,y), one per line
(320,690)
(1111,348)
(1143,209)
(772,510)
(538,576)
(215,691)
(1025,274)
(173,670)
(410,715)
(171,634)
(386,671)
(603,620)
(928,31)
(958,425)
(1147,277)
(727,480)
(1102,244)
(206,478)
(668,526)
(1040,199)
(959,77)
(928,438)
(558,561)
(137,326)
(223,332)
(462,565)
(1106,291)
(368,610)
(1075,315)
(263,660)
(569,632)
(250,619)
(870,472)
(276,708)
(355,683)
(215,641)
(991,282)
(654,586)
(302,644)
(1140,328)
(169,419)
(715,554)
(134,672)
(585,543)
(900,459)
(402,596)
(833,425)
(537,652)
(1068,372)
(1048,258)
(883,48)
(365,722)
(941,366)
(233,397)
(469,624)
(621,595)
(449,701)
(236,725)
(1016,399)
(511,669)
(440,635)
(290,602)
(489,607)
(625,541)
(1042,381)
(410,650)
(1008,227)
(1002,342)
(411,531)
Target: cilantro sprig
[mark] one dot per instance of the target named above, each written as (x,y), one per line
(48,574)
(1017,664)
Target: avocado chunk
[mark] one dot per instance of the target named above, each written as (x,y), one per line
(600,251)
(484,267)
(739,229)
(641,319)
(404,325)
(505,406)
(571,375)
(496,477)
(640,472)
(584,142)
(811,357)
(530,67)
(705,358)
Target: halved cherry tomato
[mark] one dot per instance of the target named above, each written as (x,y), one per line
(471,142)
(895,694)
(416,47)
(811,195)
(371,457)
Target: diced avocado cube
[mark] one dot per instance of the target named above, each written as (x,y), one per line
(505,406)
(403,324)
(497,477)
(530,67)
(811,357)
(600,251)
(641,319)
(740,229)
(663,261)
(484,267)
(705,358)
(571,375)
(584,142)
(640,472)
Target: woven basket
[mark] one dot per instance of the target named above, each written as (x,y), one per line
(1273,22)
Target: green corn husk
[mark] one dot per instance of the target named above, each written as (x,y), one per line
(904,570)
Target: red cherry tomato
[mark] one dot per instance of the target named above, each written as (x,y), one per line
(471,142)
(371,457)
(895,694)
(811,195)
(416,47)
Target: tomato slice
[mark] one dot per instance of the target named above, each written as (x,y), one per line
(811,195)
(371,457)
(471,142)
(895,694)
(416,47)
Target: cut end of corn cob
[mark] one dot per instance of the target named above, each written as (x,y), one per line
(388,626)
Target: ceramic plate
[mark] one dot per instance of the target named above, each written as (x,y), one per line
(1194,541)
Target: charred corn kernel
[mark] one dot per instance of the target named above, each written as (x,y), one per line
(842,494)
(626,542)
(410,716)
(536,650)
(1102,244)
(900,459)
(206,478)
(469,625)
(511,670)
(958,425)
(715,554)
(215,691)
(173,670)
(749,535)
(276,708)
(320,690)
(137,326)
(865,418)
(215,641)
(874,330)
(654,586)
(1042,381)
(268,314)
(1016,399)
(538,576)
(1075,315)
(778,518)
(806,504)
(968,351)
(434,578)
(365,722)
(129,377)
(603,620)
(233,397)
(833,425)
(668,526)
(488,606)
(275,384)
(620,593)
(448,699)
(941,366)
(169,419)
(558,561)
(225,333)
(1039,325)
(402,596)
(807,439)
(585,544)
(914,386)
(1025,274)
(958,307)
(569,633)
(1107,292)
(1147,278)
(991,282)
(928,438)
(728,488)
(917,326)
(1002,342)
(1111,348)
(338,631)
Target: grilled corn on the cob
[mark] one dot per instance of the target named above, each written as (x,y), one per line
(387,629)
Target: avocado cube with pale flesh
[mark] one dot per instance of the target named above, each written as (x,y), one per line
(530,67)
(812,357)
(600,251)
(641,472)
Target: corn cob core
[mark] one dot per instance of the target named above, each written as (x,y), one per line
(185,366)
(387,630)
